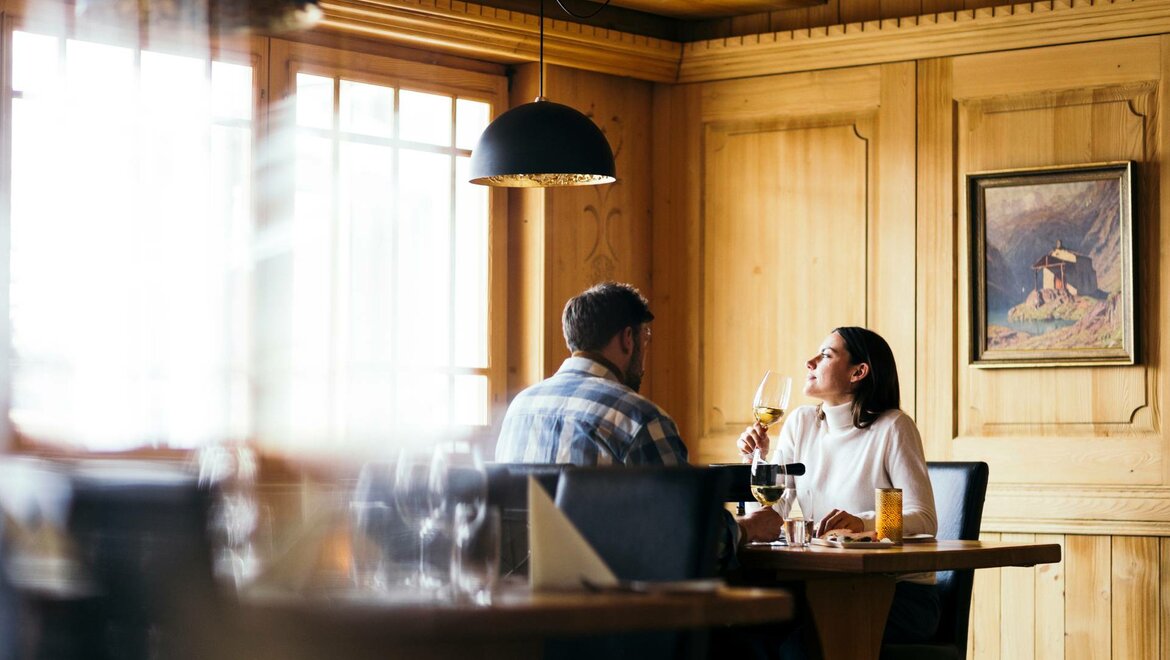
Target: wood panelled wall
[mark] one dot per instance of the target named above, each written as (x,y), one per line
(787,204)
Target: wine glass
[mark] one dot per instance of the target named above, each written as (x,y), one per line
(416,486)
(462,502)
(771,398)
(768,480)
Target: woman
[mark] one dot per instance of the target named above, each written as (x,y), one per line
(854,441)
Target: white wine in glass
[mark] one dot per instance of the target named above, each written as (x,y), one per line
(771,398)
(768,480)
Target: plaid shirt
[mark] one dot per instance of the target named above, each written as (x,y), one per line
(583,415)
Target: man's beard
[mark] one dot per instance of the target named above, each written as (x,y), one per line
(636,368)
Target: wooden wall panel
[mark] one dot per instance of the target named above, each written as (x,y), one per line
(1060,105)
(936,227)
(1134,588)
(1162,620)
(598,233)
(678,247)
(1049,616)
(1088,599)
(983,640)
(1017,612)
(760,288)
(807,189)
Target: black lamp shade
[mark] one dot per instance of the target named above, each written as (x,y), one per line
(540,145)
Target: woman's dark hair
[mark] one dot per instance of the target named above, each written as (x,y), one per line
(878,391)
(594,316)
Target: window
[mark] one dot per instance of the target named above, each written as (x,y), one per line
(129,223)
(166,292)
(378,321)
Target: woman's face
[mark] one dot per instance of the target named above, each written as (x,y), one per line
(830,374)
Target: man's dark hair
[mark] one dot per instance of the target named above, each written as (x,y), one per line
(594,316)
(878,391)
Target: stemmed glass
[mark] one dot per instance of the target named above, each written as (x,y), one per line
(768,480)
(462,505)
(417,492)
(771,398)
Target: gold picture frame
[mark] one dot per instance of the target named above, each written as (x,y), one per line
(1052,267)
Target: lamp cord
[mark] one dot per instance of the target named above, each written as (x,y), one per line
(562,5)
(566,9)
(541,92)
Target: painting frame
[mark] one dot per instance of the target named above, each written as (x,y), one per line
(1081,308)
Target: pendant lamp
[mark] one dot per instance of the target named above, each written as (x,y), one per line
(541,145)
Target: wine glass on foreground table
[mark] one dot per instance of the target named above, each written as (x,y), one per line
(418,492)
(771,398)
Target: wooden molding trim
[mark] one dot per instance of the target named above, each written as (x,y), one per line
(500,35)
(1107,511)
(932,35)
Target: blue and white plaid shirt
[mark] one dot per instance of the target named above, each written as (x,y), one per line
(585,416)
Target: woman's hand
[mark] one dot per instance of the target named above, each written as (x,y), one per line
(754,437)
(838,519)
(761,525)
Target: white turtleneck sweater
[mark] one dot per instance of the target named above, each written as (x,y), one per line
(844,465)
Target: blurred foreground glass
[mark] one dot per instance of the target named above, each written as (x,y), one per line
(235,516)
(373,526)
(416,489)
(475,560)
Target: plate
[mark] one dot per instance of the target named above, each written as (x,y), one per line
(874,545)
(919,538)
(657,586)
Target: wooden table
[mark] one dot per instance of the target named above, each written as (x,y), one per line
(849,591)
(514,626)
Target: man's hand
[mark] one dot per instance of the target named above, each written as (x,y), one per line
(762,525)
(754,437)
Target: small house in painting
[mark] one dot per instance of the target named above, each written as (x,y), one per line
(1065,270)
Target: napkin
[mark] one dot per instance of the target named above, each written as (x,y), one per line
(561,557)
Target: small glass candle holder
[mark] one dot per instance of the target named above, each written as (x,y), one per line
(888,513)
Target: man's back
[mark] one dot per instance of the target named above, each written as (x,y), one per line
(583,415)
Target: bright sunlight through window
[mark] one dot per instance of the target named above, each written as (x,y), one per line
(157,300)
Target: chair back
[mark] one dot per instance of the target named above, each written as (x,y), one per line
(142,533)
(507,485)
(648,523)
(959,492)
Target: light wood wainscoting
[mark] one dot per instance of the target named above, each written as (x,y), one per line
(1109,597)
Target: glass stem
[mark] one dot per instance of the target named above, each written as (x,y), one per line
(422,555)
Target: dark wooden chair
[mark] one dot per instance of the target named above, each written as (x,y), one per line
(142,534)
(959,491)
(646,523)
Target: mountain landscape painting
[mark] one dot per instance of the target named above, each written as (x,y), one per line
(1053,266)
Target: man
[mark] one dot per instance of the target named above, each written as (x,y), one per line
(589,412)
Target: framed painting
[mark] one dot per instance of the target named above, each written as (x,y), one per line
(1052,267)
